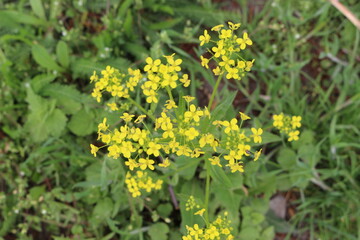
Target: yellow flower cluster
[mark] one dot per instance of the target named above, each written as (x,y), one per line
(288,125)
(158,75)
(226,50)
(180,135)
(219,229)
(161,75)
(141,181)
(115,82)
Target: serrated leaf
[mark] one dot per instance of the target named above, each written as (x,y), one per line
(44,59)
(38,8)
(82,123)
(39,81)
(62,53)
(68,97)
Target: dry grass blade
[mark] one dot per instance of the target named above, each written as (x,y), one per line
(344,10)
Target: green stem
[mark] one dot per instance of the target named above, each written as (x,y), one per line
(169,93)
(207,191)
(141,108)
(214,91)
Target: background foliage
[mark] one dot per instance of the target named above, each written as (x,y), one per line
(307,63)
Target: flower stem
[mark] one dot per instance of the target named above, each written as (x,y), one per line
(207,191)
(214,91)
(169,93)
(141,108)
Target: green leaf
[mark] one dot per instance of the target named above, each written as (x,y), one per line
(159,231)
(128,24)
(62,53)
(68,97)
(165,24)
(44,59)
(44,119)
(82,123)
(103,209)
(9,17)
(219,175)
(268,137)
(220,111)
(39,81)
(38,8)
(36,192)
(287,158)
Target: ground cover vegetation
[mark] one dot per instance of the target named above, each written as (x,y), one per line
(165,120)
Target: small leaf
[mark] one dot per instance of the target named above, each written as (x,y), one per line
(44,59)
(38,8)
(62,53)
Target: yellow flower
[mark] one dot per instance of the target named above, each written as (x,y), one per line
(204,62)
(217,71)
(257,135)
(204,38)
(127,117)
(233,26)
(245,40)
(185,80)
(296,121)
(278,120)
(146,163)
(94,149)
(153,148)
(236,167)
(217,27)
(152,65)
(170,104)
(215,161)
(200,212)
(188,98)
(113,106)
(102,126)
(193,114)
(140,118)
(257,155)
(226,61)
(131,163)
(230,126)
(244,117)
(293,136)
(225,33)
(165,164)
(191,133)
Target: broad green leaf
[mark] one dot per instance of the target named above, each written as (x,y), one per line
(220,111)
(159,231)
(36,192)
(82,123)
(39,81)
(44,119)
(44,59)
(250,233)
(68,97)
(187,166)
(38,8)
(103,209)
(219,175)
(287,158)
(62,53)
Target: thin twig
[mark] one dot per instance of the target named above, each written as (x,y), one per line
(347,13)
